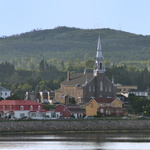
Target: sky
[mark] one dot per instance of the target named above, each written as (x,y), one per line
(19,16)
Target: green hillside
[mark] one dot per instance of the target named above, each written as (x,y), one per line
(28,49)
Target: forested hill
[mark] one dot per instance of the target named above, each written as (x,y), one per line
(62,43)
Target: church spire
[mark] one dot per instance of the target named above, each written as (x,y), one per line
(99,61)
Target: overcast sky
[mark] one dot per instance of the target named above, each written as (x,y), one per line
(19,16)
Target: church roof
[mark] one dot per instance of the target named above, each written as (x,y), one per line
(78,79)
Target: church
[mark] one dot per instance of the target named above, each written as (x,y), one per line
(84,86)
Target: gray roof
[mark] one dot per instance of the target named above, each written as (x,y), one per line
(2,89)
(78,79)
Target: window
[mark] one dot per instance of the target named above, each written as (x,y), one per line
(6,93)
(89,88)
(101,86)
(31,107)
(3,108)
(21,107)
(64,109)
(106,88)
(91,104)
(109,88)
(101,95)
(10,107)
(39,107)
(100,66)
(101,110)
(93,88)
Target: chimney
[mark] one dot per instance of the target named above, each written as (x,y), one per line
(68,76)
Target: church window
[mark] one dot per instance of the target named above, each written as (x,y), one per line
(89,88)
(100,66)
(106,88)
(100,95)
(101,86)
(110,89)
(93,88)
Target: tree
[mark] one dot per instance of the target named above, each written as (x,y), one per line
(70,64)
(42,65)
(139,104)
(62,66)
(14,97)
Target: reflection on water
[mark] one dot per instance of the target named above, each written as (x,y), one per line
(99,141)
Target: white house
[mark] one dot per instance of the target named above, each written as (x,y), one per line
(4,93)
(138,93)
(25,108)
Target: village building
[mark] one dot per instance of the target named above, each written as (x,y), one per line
(139,93)
(84,86)
(124,89)
(4,93)
(68,111)
(21,109)
(104,107)
(41,97)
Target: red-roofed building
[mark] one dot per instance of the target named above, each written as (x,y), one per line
(21,108)
(68,110)
(105,106)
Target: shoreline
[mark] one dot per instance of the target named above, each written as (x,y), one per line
(71,132)
(27,127)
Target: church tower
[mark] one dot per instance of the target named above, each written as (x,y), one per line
(99,61)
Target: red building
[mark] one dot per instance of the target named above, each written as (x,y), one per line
(69,110)
(21,108)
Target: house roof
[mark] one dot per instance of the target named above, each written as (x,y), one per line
(121,95)
(72,108)
(78,79)
(75,108)
(104,100)
(137,90)
(18,102)
(2,89)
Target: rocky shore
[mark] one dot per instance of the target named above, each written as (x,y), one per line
(76,126)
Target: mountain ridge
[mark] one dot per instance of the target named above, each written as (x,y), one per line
(63,43)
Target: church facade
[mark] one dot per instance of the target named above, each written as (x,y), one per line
(84,86)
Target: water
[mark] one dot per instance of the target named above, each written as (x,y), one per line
(99,141)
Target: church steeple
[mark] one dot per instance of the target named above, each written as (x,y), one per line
(99,61)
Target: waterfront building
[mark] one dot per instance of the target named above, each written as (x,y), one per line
(68,111)
(104,107)
(21,109)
